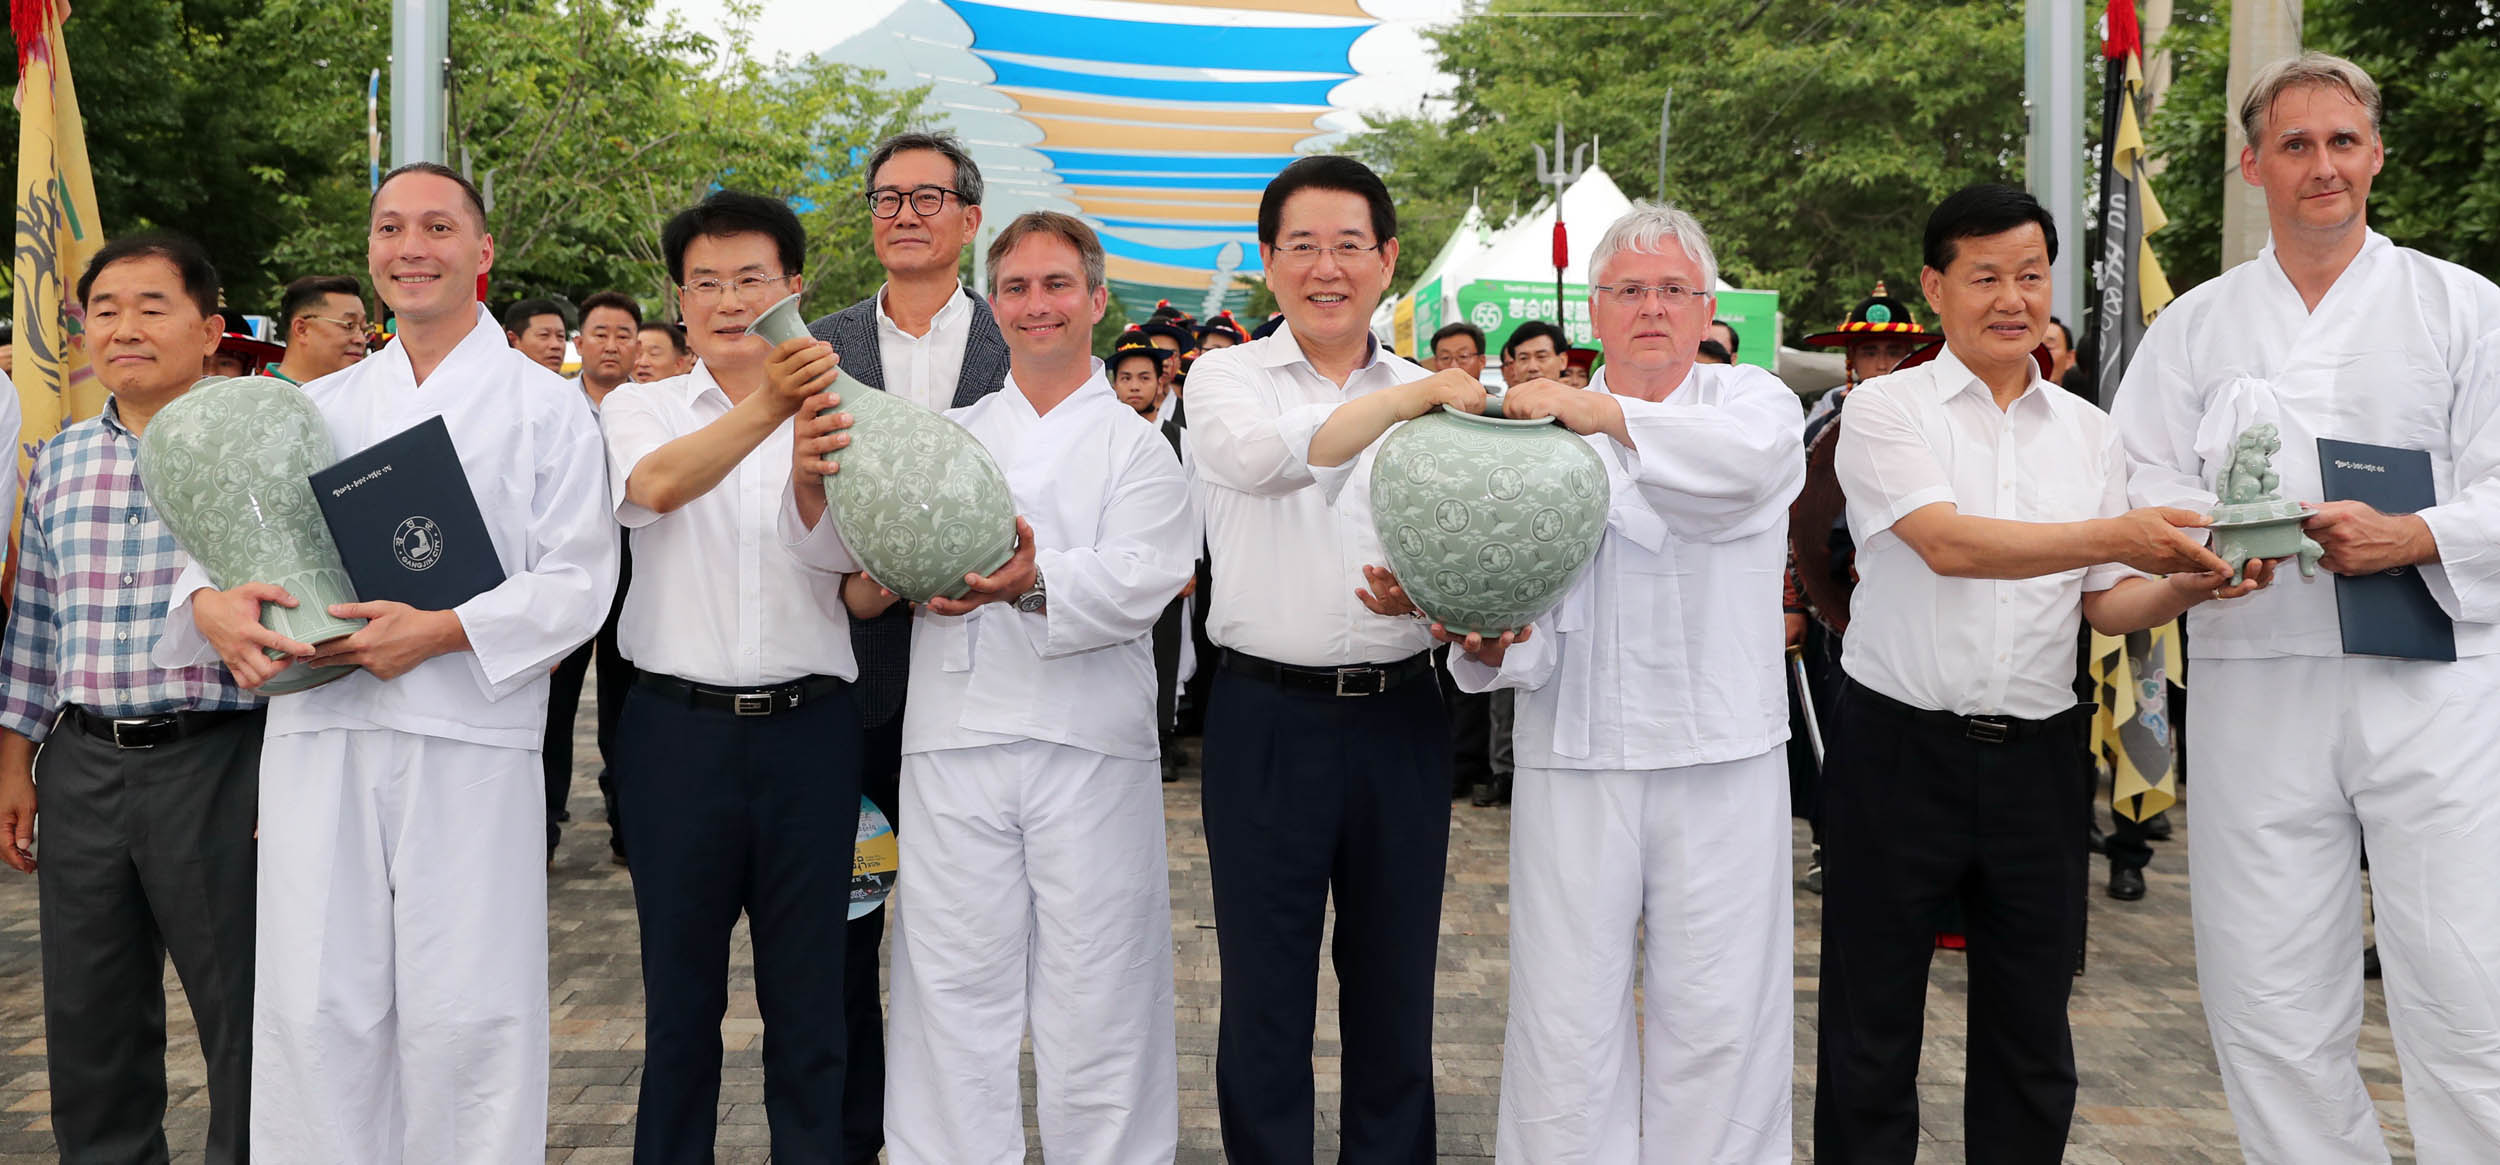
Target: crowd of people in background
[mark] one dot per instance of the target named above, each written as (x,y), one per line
(350,880)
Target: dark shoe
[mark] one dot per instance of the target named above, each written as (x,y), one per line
(1492,793)
(1814,878)
(2369,961)
(2126,884)
(2157,827)
(2096,841)
(1171,769)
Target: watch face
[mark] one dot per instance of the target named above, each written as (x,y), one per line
(1029,602)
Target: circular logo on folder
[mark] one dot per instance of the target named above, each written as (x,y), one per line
(418,542)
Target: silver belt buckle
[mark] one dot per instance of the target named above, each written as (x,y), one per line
(1990,729)
(119,724)
(1378,681)
(752,704)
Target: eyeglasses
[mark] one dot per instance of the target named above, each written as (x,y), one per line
(1630,294)
(351,323)
(748,287)
(886,202)
(1306,254)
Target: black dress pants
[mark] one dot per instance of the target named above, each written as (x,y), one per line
(564,700)
(1307,796)
(729,814)
(146,852)
(1920,814)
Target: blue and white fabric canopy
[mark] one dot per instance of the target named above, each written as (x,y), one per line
(1157,122)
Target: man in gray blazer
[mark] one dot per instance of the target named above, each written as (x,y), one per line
(926,338)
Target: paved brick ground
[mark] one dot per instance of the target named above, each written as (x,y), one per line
(2149,1091)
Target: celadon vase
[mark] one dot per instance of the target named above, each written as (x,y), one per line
(226,466)
(917,499)
(1486,521)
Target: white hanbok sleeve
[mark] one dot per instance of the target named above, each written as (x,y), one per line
(1528,665)
(1114,591)
(557,600)
(178,640)
(2466,579)
(2158,412)
(1720,470)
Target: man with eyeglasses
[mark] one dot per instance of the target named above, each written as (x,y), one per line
(1461,346)
(1650,830)
(737,766)
(610,323)
(924,338)
(323,318)
(1327,748)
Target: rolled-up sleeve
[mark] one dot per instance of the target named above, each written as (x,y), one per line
(1886,468)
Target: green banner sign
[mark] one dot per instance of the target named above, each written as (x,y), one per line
(1499,306)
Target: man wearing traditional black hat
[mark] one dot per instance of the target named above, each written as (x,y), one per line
(1879,332)
(1221,331)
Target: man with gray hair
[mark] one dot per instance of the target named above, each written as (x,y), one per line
(926,338)
(1650,796)
(2334,332)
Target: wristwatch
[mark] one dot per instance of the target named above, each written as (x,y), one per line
(1035,601)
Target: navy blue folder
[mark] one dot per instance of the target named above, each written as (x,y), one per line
(2390,613)
(406,522)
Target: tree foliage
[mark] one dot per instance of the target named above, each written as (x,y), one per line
(1811,137)
(242,123)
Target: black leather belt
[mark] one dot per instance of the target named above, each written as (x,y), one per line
(1984,729)
(743,701)
(1362,679)
(150,731)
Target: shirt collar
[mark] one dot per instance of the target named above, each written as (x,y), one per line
(699,382)
(1954,377)
(1097,385)
(113,416)
(1280,349)
(958,305)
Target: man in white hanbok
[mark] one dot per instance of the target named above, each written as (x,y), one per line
(1034,887)
(1652,792)
(400,1012)
(2333,331)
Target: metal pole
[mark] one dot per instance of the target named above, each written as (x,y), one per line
(2262,32)
(2053,89)
(420,44)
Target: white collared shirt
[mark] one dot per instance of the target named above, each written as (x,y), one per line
(717,598)
(1666,651)
(2403,351)
(1935,434)
(1287,541)
(924,369)
(1117,537)
(532,456)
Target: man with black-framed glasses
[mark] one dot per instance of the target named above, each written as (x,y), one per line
(737,766)
(924,338)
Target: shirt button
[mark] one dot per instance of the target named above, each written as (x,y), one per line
(126,580)
(122,635)
(134,518)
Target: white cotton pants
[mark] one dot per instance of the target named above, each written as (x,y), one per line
(1698,859)
(400,1009)
(2295,763)
(1033,891)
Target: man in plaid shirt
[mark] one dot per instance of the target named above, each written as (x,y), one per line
(150,782)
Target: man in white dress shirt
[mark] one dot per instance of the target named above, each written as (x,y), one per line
(737,767)
(1651,794)
(1034,887)
(1327,748)
(400,1012)
(2332,331)
(1989,511)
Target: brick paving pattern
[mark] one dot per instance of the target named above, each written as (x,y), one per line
(2149,1091)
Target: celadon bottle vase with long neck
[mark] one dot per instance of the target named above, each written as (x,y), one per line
(1487,521)
(226,465)
(918,500)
